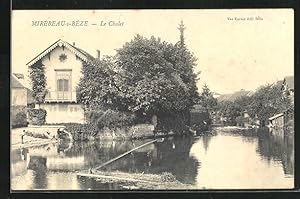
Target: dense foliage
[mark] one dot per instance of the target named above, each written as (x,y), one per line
(18,116)
(81,131)
(38,80)
(267,101)
(146,77)
(96,89)
(36,116)
(207,100)
(110,118)
(156,76)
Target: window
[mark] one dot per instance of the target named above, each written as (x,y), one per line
(63,84)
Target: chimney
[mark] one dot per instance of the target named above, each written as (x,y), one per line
(73,43)
(98,54)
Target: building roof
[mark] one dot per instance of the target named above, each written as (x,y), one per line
(77,51)
(19,75)
(15,83)
(276,116)
(234,96)
(289,81)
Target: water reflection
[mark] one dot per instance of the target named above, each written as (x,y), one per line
(237,159)
(278,144)
(172,156)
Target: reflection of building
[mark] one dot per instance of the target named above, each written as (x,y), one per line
(63,63)
(278,145)
(19,161)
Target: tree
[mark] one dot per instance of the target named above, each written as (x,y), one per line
(145,77)
(97,89)
(230,110)
(206,98)
(38,80)
(267,101)
(156,76)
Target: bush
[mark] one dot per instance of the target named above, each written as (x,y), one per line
(81,131)
(110,119)
(18,116)
(175,122)
(37,116)
(197,117)
(167,177)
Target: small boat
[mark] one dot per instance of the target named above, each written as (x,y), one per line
(160,140)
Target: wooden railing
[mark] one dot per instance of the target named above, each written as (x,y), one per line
(60,96)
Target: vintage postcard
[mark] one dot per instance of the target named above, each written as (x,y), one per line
(152,99)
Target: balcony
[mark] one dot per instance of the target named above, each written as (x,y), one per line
(61,96)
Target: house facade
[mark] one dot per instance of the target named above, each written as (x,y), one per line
(277,121)
(20,94)
(63,63)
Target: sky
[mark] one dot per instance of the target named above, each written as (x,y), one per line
(236,49)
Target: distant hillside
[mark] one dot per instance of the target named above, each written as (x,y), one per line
(289,80)
(235,95)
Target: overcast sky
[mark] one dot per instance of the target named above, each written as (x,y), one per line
(232,54)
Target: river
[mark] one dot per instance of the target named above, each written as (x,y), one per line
(226,159)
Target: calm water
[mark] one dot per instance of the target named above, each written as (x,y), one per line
(235,160)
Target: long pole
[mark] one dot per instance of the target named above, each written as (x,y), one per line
(122,155)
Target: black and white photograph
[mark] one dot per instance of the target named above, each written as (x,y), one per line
(137,99)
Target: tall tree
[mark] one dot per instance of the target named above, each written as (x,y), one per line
(155,76)
(267,101)
(97,88)
(38,80)
(206,98)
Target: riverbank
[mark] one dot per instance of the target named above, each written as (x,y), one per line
(231,128)
(137,180)
(33,143)
(28,141)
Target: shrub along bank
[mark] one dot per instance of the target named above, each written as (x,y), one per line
(18,116)
(36,116)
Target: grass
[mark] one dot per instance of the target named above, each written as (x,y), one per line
(140,180)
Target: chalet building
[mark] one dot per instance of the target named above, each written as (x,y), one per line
(20,94)
(63,63)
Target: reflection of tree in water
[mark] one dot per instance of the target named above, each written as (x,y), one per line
(176,159)
(86,149)
(38,165)
(97,153)
(206,141)
(172,155)
(278,145)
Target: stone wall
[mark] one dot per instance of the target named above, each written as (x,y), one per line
(135,132)
(63,113)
